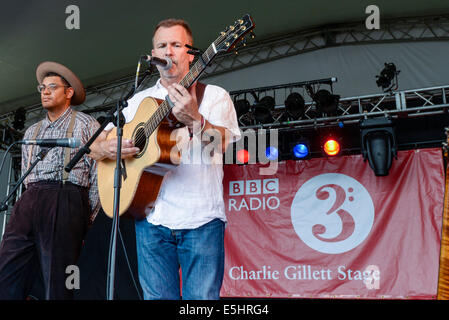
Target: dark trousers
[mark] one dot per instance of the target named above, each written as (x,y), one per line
(44,234)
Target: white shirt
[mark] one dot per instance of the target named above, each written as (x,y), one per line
(191,193)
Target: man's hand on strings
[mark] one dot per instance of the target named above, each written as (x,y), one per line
(185,104)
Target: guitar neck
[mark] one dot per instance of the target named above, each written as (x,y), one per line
(193,75)
(198,68)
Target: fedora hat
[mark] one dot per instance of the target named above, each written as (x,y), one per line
(50,66)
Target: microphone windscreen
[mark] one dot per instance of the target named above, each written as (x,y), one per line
(74,142)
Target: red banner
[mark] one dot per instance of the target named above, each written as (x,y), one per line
(328,227)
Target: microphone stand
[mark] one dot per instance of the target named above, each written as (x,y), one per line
(41,155)
(120,121)
(115,116)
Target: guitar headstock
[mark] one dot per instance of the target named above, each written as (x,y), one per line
(234,34)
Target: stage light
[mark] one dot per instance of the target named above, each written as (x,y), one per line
(6,136)
(243,156)
(272,153)
(331,147)
(300,150)
(299,147)
(378,144)
(268,147)
(388,75)
(295,105)
(326,103)
(241,107)
(263,108)
(19,119)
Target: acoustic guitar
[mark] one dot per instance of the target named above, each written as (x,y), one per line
(151,131)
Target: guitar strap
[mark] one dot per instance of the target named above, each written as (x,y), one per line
(200,88)
(65,174)
(30,149)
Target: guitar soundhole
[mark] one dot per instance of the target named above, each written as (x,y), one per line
(140,140)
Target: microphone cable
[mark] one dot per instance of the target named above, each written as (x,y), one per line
(4,156)
(137,73)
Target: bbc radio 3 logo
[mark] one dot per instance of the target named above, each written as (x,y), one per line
(252,195)
(332,213)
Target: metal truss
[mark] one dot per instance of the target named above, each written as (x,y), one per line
(13,177)
(406,103)
(434,28)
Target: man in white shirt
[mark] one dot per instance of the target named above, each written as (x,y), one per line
(184,232)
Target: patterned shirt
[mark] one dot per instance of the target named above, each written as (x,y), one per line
(52,166)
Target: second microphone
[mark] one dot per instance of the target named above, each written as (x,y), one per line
(64,142)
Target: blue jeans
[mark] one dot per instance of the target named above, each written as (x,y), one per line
(161,252)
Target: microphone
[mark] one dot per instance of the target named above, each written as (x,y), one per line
(65,142)
(165,63)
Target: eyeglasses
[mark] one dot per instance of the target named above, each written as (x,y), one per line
(52,87)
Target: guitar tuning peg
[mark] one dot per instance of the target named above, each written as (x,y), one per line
(252,35)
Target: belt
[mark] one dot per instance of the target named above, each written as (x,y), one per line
(54,183)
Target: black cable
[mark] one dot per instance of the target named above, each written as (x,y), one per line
(129,265)
(4,156)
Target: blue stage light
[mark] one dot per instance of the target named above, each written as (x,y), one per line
(271,153)
(300,150)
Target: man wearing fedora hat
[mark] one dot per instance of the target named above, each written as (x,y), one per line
(48,223)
